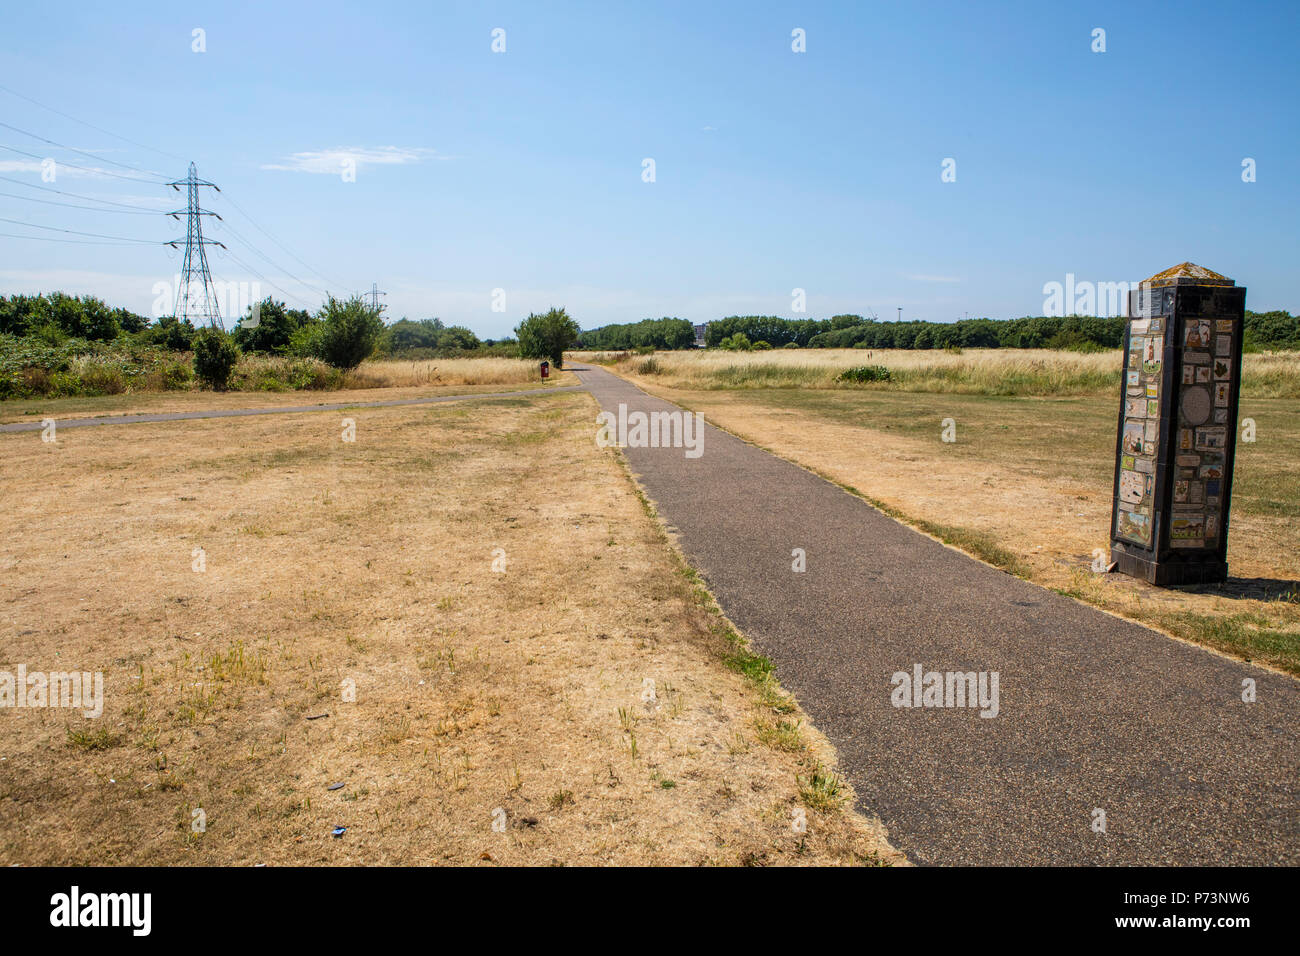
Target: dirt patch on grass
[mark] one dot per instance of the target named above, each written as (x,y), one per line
(525,649)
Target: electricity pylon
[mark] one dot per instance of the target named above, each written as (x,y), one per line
(200,306)
(374,294)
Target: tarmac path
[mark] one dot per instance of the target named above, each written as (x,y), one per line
(1094,713)
(61,423)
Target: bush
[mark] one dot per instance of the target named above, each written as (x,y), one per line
(306,341)
(176,375)
(30,366)
(215,355)
(1073,340)
(864,373)
(348,333)
(279,373)
(103,380)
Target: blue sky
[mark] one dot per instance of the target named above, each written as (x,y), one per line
(774,170)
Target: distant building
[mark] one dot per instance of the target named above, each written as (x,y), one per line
(699,335)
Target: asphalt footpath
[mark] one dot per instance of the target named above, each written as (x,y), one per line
(148,417)
(1106,742)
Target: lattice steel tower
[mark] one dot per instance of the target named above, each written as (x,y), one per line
(196,298)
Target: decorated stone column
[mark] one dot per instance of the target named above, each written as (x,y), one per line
(1178,427)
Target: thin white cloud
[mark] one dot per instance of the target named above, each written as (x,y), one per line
(331,161)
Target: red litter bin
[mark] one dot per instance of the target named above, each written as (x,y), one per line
(546,369)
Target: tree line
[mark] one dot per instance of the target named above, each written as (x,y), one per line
(663,333)
(1266,330)
(277,329)
(41,334)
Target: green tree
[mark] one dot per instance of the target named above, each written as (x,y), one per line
(348,332)
(83,317)
(179,336)
(274,328)
(546,336)
(457,338)
(23,314)
(405,335)
(129,321)
(215,355)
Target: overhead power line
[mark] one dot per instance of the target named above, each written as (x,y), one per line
(288,295)
(97,172)
(271,262)
(73,149)
(61,192)
(33,225)
(283,248)
(195,241)
(99,129)
(73,205)
(75,242)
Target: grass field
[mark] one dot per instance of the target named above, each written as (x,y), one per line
(405,380)
(973,371)
(29,369)
(525,647)
(395,373)
(1027,484)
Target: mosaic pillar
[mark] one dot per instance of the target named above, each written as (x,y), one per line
(1178,427)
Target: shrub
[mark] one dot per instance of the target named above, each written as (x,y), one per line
(306,341)
(348,333)
(30,367)
(761,346)
(279,373)
(103,380)
(864,373)
(215,355)
(1073,340)
(176,375)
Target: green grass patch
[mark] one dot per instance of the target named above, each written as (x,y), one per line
(97,739)
(822,789)
(1251,637)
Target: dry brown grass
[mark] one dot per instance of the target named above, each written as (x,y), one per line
(372,562)
(34,409)
(395,373)
(972,371)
